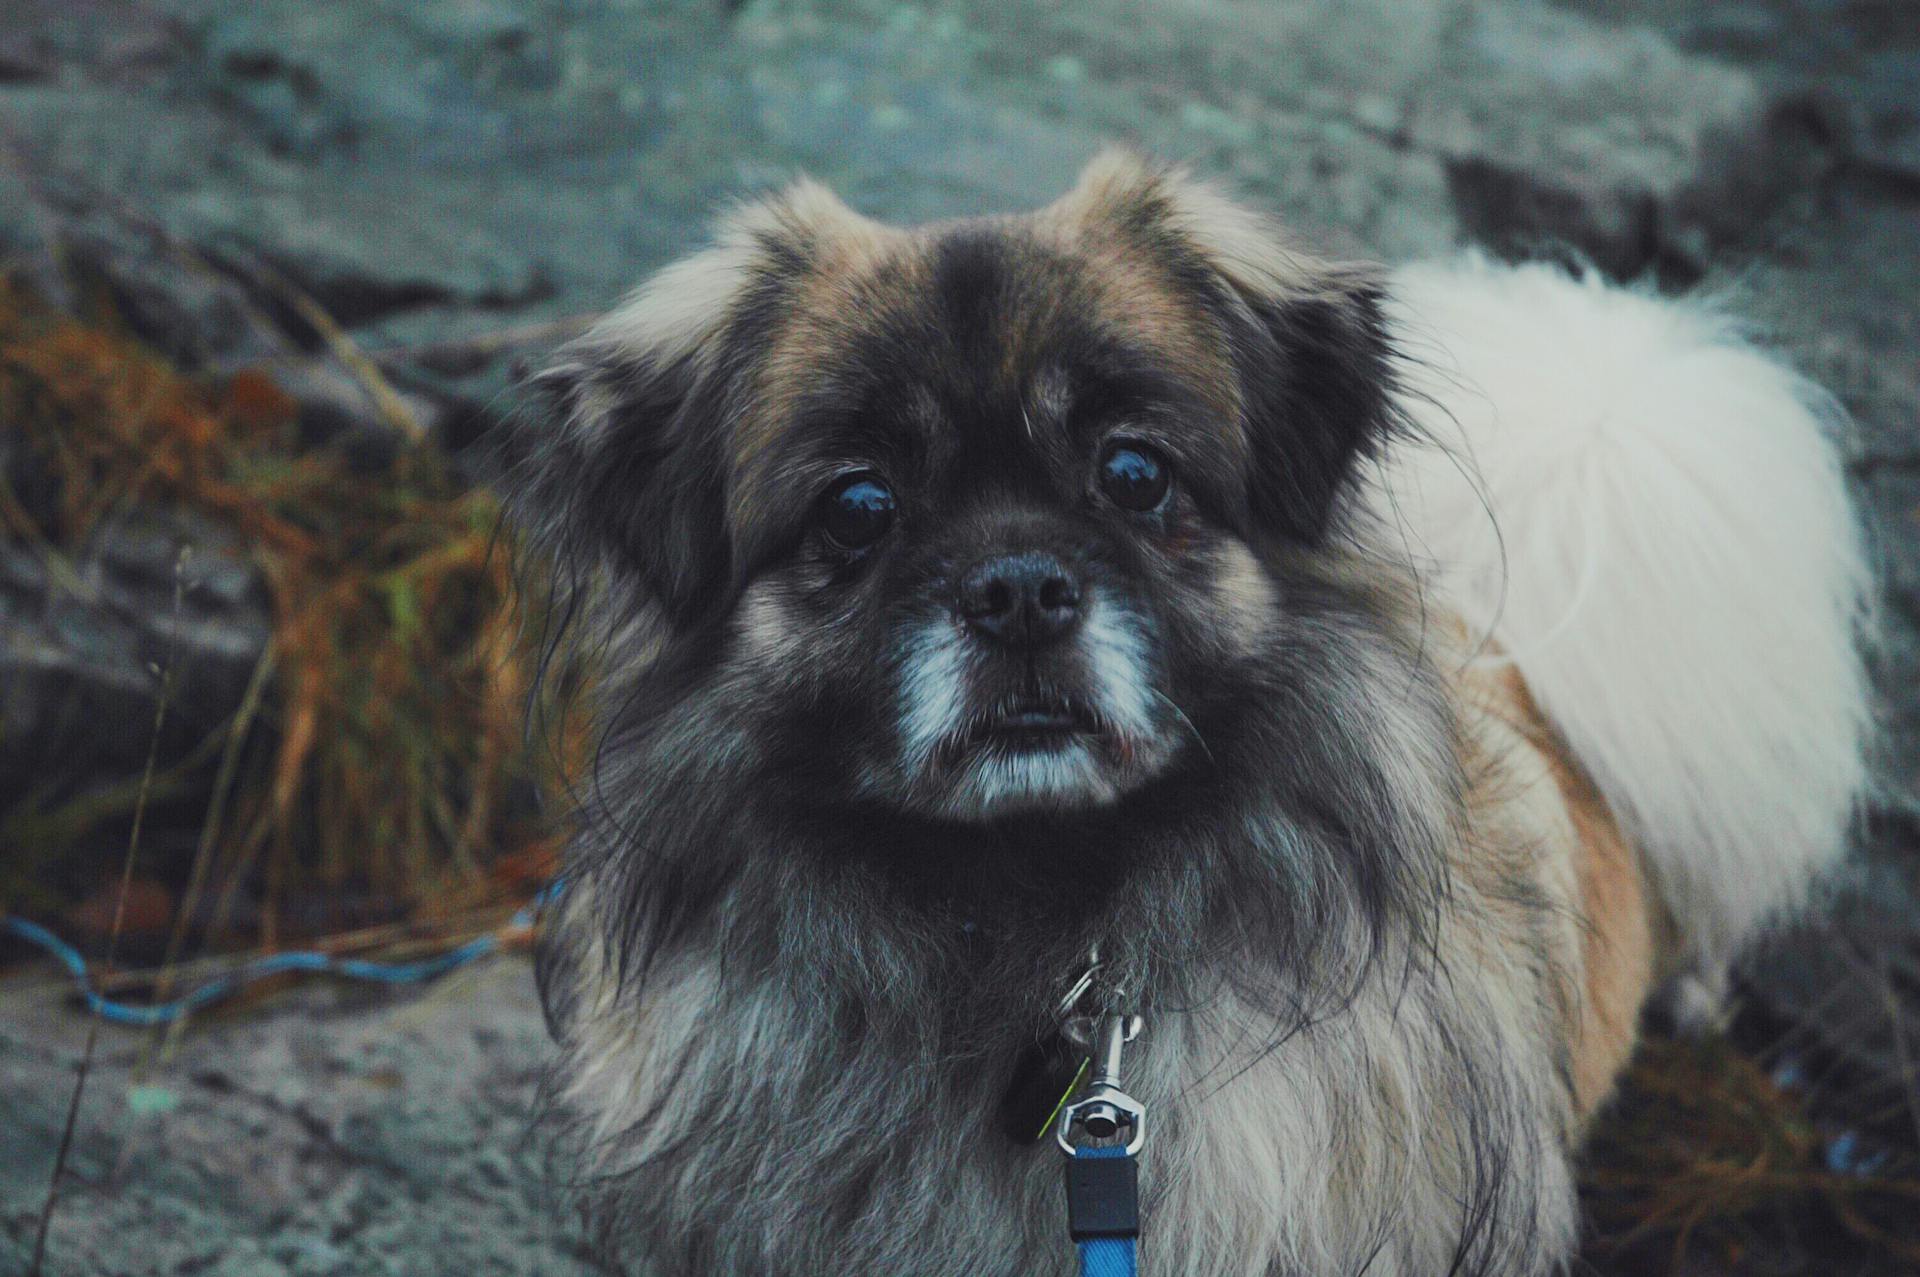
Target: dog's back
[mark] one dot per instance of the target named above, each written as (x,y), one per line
(1645,515)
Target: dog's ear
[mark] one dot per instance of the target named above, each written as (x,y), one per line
(621,464)
(623,473)
(1307,340)
(1316,377)
(627,463)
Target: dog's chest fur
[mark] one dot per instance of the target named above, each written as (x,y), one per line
(1415,1117)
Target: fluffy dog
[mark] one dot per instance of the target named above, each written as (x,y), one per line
(1397,678)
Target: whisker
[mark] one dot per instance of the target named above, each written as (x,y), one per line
(1181,714)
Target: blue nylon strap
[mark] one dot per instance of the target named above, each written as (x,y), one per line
(1110,1257)
(1107,1256)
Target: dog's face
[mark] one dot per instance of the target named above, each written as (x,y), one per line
(982,518)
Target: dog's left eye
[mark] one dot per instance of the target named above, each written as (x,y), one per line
(857,511)
(1133,476)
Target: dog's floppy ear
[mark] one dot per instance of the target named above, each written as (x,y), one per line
(629,466)
(1309,345)
(624,474)
(622,465)
(1306,338)
(1316,377)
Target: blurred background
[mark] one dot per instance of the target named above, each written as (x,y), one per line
(268,271)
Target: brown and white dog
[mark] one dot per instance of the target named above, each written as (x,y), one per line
(1397,677)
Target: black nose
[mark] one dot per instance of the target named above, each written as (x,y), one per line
(1022,600)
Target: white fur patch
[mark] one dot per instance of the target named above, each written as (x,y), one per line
(1671,562)
(932,691)
(1122,674)
(996,781)
(937,700)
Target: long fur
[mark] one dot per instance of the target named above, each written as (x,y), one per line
(1389,942)
(1646,513)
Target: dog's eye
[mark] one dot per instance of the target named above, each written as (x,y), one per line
(857,511)
(1133,476)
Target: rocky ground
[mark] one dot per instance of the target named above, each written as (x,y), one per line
(449,186)
(338,1134)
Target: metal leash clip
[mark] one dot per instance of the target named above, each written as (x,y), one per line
(1103,1109)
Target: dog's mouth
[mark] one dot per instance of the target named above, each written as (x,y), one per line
(1036,748)
(1028,722)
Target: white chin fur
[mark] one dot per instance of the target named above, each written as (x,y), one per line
(999,783)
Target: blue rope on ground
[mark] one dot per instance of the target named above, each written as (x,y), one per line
(225,986)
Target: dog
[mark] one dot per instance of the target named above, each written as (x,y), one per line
(1381,683)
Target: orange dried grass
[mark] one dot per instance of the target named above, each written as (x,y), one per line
(401,679)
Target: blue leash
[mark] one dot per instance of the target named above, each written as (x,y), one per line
(1103,1180)
(225,986)
(1114,1256)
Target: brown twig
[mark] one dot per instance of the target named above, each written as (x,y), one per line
(392,408)
(238,730)
(387,401)
(119,917)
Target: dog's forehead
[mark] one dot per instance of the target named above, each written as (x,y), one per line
(973,330)
(988,306)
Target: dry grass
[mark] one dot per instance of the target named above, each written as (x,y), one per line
(383,753)
(1706,1163)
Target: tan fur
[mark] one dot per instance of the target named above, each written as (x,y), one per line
(1620,950)
(1094,221)
(1245,592)
(1613,945)
(852,261)
(1250,250)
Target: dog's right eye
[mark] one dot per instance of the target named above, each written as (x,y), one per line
(857,511)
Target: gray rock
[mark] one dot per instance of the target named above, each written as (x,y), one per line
(338,1132)
(83,640)
(1864,58)
(395,159)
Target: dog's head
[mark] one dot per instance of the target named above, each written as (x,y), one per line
(980,516)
